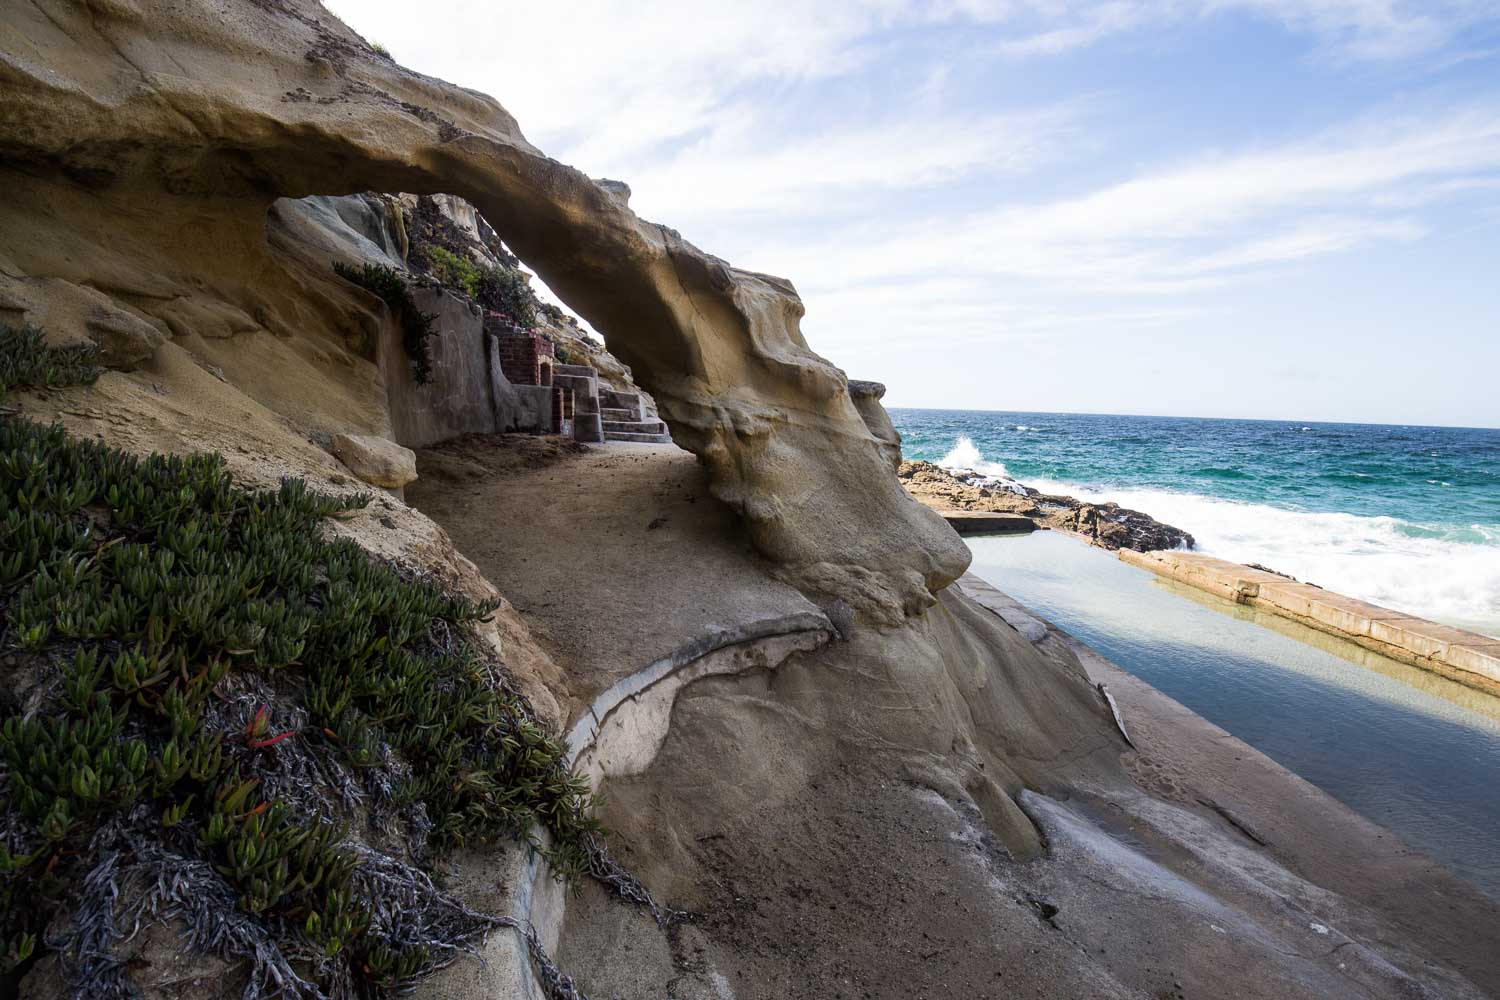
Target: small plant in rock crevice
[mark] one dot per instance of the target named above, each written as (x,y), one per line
(391,288)
(204,693)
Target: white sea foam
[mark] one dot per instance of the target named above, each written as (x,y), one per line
(964,455)
(1420,569)
(1446,573)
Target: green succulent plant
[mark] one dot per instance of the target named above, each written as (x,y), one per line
(145,588)
(26,360)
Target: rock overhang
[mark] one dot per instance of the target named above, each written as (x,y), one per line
(307,108)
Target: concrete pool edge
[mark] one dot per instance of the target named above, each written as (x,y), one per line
(1467,657)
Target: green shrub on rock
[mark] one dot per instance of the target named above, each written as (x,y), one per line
(202,692)
(26,360)
(459,274)
(503,289)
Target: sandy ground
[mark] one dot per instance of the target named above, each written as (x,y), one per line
(616,554)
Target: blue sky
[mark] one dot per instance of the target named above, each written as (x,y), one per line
(1250,208)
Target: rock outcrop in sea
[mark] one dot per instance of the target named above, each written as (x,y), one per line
(1107,525)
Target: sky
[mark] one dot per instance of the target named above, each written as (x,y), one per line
(1236,208)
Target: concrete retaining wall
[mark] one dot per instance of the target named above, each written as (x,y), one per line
(457,398)
(983,522)
(1466,657)
(468,392)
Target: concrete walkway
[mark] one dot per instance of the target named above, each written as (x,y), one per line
(616,554)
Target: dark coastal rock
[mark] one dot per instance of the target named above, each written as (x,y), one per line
(1115,527)
(1107,525)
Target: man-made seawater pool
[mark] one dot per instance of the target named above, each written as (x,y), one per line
(1411,751)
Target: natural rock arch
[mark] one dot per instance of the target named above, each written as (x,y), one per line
(306,107)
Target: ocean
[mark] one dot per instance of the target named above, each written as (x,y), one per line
(1404,517)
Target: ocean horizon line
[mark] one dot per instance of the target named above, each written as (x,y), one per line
(1189,416)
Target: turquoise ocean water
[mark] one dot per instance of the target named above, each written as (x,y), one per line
(1406,517)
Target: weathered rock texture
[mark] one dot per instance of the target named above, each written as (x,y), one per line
(376,460)
(1107,525)
(183,123)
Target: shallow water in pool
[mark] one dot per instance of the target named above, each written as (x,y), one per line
(1419,755)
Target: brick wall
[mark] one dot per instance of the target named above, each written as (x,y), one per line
(526,358)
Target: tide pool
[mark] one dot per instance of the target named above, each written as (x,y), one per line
(1412,752)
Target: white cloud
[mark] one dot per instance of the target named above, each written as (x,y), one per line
(1377,30)
(600,81)
(1084,25)
(848,146)
(1181,228)
(737,170)
(1372,29)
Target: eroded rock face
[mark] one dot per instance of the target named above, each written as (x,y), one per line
(75,314)
(147,140)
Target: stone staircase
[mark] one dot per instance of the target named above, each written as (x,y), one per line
(606,414)
(626,417)
(647,431)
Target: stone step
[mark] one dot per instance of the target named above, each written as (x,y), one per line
(583,371)
(616,413)
(634,427)
(638,438)
(615,399)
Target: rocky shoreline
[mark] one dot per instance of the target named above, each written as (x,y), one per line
(1107,525)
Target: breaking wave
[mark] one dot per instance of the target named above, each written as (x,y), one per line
(1449,573)
(964,455)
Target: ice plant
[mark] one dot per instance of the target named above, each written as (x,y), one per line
(154,620)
